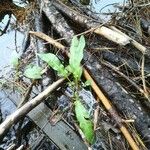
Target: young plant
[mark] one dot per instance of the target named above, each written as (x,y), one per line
(55,63)
(74,67)
(85,124)
(76,55)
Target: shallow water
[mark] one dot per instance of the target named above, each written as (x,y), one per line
(10,42)
(103,7)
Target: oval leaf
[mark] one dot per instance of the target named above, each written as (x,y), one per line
(33,72)
(54,62)
(85,123)
(76,55)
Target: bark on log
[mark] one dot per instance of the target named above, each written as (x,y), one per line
(60,23)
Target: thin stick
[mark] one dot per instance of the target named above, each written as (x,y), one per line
(143,77)
(111,110)
(111,33)
(101,96)
(14,117)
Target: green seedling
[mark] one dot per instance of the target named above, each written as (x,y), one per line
(74,68)
(55,63)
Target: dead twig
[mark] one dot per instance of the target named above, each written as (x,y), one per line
(143,77)
(14,117)
(111,33)
(96,113)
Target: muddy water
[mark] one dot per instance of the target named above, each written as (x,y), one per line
(10,45)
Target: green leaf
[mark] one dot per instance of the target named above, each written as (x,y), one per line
(76,55)
(33,72)
(54,62)
(15,61)
(88,83)
(85,123)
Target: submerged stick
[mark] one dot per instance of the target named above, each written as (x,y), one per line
(14,117)
(106,102)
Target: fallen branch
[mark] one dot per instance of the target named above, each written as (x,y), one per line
(132,41)
(102,97)
(60,23)
(111,33)
(14,117)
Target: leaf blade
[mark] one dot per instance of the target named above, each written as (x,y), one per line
(76,55)
(54,62)
(85,123)
(33,72)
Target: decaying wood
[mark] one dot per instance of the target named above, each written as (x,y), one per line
(110,34)
(99,93)
(14,117)
(60,23)
(120,58)
(132,41)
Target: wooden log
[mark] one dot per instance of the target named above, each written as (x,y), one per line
(119,96)
(57,20)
